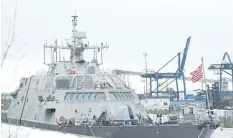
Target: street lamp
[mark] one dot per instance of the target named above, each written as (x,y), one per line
(145,55)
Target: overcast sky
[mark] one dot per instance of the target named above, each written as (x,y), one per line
(131,27)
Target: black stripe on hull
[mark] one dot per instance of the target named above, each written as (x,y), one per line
(163,131)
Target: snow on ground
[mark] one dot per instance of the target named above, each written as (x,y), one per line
(25,132)
(225,133)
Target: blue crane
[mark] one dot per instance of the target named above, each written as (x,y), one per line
(170,76)
(223,67)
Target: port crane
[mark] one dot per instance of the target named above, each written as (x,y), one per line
(136,73)
(142,73)
(225,66)
(169,77)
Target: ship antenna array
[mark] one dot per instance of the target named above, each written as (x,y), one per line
(74,21)
(77,47)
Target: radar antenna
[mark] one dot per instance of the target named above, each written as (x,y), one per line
(77,46)
(74,23)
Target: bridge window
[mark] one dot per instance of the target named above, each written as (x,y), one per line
(100,96)
(129,93)
(126,95)
(74,97)
(113,96)
(80,96)
(86,96)
(92,96)
(68,96)
(121,95)
(116,95)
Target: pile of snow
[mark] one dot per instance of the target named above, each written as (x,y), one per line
(26,132)
(224,133)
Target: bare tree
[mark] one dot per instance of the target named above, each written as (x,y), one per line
(13,35)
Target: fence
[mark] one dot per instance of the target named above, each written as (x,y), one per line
(226,118)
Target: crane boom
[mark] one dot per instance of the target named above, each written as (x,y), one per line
(185,54)
(136,73)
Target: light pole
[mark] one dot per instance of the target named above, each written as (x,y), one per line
(145,55)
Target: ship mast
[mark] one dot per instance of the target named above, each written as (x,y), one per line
(76,47)
(74,21)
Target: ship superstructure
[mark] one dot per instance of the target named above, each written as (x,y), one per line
(75,96)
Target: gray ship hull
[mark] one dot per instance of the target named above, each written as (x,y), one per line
(162,131)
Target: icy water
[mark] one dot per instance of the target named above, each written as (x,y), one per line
(24,132)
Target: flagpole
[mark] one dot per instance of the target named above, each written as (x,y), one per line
(206,92)
(204,81)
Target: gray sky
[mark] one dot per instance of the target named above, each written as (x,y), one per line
(158,27)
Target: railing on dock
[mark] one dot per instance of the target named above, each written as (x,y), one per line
(226,118)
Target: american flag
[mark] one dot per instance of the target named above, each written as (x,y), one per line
(197,74)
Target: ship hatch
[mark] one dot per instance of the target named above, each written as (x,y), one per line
(124,113)
(50,110)
(130,112)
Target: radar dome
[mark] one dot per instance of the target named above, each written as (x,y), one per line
(61,81)
(74,23)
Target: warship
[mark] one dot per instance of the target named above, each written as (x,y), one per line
(77,97)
